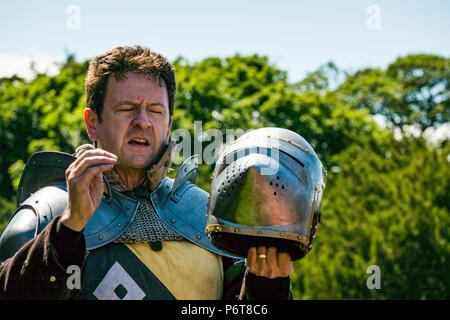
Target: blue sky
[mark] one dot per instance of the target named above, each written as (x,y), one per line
(298,36)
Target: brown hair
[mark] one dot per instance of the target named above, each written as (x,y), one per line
(121,60)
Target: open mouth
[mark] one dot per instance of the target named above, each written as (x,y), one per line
(139,141)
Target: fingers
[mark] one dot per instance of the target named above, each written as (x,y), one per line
(94,153)
(251,257)
(272,258)
(257,261)
(90,168)
(96,156)
(268,262)
(90,164)
(262,260)
(284,264)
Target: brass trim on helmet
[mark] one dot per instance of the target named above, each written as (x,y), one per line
(257,232)
(291,142)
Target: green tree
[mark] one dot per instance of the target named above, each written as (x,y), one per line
(414,90)
(43,114)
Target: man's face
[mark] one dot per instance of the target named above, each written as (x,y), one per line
(135,122)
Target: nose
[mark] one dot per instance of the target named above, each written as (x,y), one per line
(142,119)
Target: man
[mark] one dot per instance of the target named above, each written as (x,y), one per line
(141,237)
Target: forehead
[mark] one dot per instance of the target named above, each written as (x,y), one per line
(135,87)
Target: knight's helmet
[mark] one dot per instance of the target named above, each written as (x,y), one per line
(266,190)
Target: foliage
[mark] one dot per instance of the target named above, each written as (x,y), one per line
(44,114)
(387,206)
(414,90)
(386,200)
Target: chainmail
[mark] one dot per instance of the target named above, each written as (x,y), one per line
(147,226)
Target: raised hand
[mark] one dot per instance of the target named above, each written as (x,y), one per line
(85,186)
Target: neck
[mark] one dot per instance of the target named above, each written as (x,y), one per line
(131,179)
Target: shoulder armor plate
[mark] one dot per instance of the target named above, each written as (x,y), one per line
(187,213)
(186,173)
(42,169)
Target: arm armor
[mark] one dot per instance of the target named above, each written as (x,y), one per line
(30,219)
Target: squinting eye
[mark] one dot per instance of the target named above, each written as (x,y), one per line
(126,109)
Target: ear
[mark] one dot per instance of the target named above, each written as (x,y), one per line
(91,120)
(168,129)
